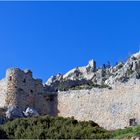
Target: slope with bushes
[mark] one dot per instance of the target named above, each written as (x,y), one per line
(46,127)
(53,128)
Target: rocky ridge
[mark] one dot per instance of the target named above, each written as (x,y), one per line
(90,76)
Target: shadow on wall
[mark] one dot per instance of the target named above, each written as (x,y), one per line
(52,102)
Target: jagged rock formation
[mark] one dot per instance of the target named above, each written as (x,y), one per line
(90,75)
(75,77)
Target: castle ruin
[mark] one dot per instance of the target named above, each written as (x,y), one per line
(20,89)
(112,108)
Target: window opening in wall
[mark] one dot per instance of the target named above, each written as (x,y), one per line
(132,122)
(24,81)
(10,78)
(31,91)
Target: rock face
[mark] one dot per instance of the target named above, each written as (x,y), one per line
(107,75)
(75,77)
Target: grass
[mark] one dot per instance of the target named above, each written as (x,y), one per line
(127,133)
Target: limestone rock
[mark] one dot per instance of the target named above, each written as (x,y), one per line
(75,77)
(136,55)
(91,67)
(107,75)
(13,112)
(30,112)
(54,79)
(73,74)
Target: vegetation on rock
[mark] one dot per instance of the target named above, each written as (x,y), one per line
(88,85)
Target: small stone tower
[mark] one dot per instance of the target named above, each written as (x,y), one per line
(23,91)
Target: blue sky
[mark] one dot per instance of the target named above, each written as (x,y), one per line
(54,37)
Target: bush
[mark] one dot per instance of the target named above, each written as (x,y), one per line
(46,127)
(3,134)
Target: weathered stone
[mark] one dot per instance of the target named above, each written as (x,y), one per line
(30,112)
(13,112)
(91,67)
(103,106)
(136,55)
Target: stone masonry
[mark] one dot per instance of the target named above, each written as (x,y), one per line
(19,89)
(111,109)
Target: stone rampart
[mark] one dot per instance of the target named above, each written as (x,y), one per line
(111,109)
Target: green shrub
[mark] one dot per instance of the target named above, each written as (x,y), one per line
(3,134)
(126,133)
(46,127)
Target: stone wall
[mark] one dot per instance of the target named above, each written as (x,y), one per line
(24,91)
(3,93)
(111,109)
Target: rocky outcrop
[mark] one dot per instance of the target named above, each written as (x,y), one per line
(107,75)
(14,112)
(75,77)
(30,112)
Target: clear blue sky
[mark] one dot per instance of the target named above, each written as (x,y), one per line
(54,37)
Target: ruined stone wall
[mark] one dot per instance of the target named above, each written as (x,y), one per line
(3,96)
(24,91)
(111,109)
